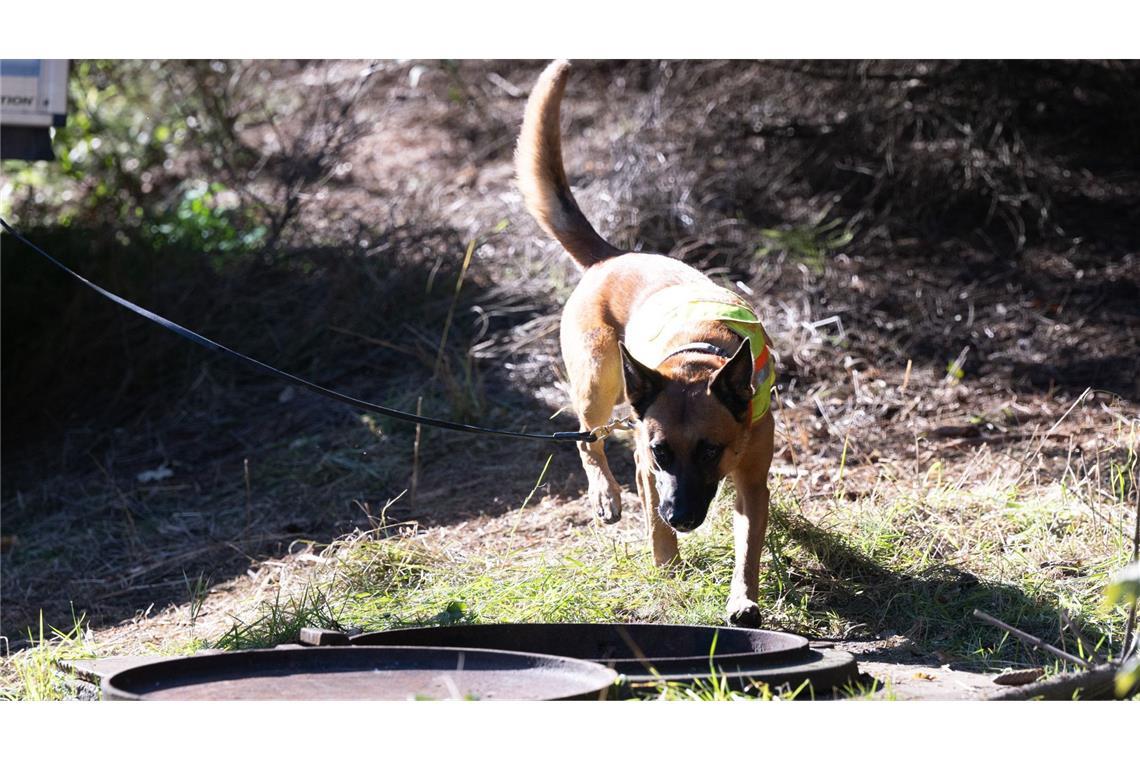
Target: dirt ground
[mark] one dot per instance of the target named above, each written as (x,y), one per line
(1046,340)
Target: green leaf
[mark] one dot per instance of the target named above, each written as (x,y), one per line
(1125,587)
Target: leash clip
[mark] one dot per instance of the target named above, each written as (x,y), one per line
(601,432)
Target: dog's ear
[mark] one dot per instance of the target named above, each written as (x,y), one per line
(642,384)
(732,383)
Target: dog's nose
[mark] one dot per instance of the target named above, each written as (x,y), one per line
(682,523)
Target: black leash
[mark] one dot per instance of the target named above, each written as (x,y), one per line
(587,436)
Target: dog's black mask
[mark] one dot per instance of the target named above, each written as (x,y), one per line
(685,488)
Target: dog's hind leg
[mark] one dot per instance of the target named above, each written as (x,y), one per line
(749,525)
(596,385)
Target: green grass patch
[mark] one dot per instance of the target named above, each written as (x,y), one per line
(879,566)
(34,674)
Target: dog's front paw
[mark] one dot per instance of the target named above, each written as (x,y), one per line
(606,504)
(743,613)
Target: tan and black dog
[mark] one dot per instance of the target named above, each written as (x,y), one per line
(689,356)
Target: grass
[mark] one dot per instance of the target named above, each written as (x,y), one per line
(35,672)
(881,550)
(404,581)
(717,689)
(810,244)
(281,620)
(896,560)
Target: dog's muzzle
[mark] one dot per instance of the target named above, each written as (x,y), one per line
(684,524)
(683,504)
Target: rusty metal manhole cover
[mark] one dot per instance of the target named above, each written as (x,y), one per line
(363,672)
(644,653)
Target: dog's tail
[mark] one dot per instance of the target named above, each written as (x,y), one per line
(542,178)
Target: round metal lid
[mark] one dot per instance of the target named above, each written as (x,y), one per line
(363,672)
(816,673)
(632,649)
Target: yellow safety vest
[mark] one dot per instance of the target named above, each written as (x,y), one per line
(685,304)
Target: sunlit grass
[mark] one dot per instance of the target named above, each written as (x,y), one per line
(35,673)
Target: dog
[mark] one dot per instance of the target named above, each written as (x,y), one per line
(689,356)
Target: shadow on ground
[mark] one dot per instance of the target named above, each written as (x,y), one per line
(932,612)
(139,467)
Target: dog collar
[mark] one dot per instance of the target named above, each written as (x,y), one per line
(701,348)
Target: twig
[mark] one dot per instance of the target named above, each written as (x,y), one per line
(1049,432)
(1031,639)
(999,438)
(1126,651)
(529,496)
(376,341)
(183,557)
(132,535)
(451,309)
(248,494)
(1093,684)
(416,454)
(505,86)
(1081,637)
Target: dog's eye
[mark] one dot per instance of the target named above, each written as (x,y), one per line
(662,454)
(708,453)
